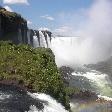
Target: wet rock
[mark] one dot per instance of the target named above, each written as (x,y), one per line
(15,99)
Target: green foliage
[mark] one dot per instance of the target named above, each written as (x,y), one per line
(35,68)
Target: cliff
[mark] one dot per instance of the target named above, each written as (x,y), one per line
(32,69)
(12,27)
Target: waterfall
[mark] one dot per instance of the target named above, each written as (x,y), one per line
(66,50)
(38,38)
(77,50)
(35,40)
(48,40)
(15,99)
(52,106)
(43,42)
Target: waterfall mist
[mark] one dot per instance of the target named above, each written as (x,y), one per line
(94,41)
(98,32)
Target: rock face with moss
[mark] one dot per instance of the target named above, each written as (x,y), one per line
(12,27)
(32,69)
(14,99)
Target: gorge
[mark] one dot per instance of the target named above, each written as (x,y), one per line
(28,75)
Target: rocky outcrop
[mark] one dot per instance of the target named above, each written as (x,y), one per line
(12,27)
(15,99)
(66,73)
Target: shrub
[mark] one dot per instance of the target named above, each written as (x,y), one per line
(35,68)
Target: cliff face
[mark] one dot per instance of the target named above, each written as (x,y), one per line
(12,27)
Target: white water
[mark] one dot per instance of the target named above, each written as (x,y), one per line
(105,98)
(51,106)
(66,50)
(100,83)
(48,40)
(35,40)
(4,96)
(42,40)
(77,50)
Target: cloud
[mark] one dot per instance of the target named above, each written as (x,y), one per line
(47,17)
(8,8)
(70,22)
(16,2)
(44,28)
(63,31)
(29,22)
(93,26)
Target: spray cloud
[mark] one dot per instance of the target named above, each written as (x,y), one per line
(95,38)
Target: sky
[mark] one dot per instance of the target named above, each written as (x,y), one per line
(56,15)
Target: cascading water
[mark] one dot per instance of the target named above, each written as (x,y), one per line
(14,99)
(99,83)
(40,40)
(43,42)
(48,40)
(66,50)
(35,41)
(51,106)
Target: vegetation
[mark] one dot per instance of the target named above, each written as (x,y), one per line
(35,68)
(71,91)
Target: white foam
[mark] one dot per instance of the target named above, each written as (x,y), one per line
(42,40)
(100,82)
(52,106)
(105,98)
(4,96)
(35,40)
